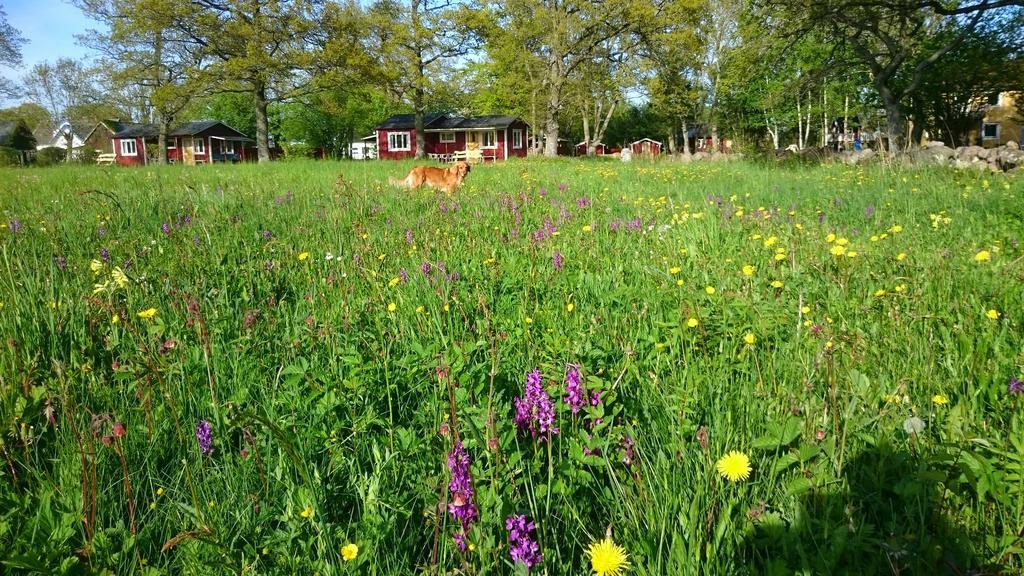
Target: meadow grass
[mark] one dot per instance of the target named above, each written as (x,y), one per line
(855,332)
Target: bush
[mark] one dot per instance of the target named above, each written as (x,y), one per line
(50,156)
(9,156)
(297,151)
(88,156)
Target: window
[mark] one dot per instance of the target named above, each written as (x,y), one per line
(128,148)
(447,137)
(199,146)
(227,147)
(488,139)
(990,131)
(398,142)
(172,143)
(517,138)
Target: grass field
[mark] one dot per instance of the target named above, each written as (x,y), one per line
(248,369)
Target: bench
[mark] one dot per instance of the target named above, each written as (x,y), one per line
(108,159)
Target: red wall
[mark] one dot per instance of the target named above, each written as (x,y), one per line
(140,157)
(435,146)
(382,145)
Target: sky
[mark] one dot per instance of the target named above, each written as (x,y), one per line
(50,27)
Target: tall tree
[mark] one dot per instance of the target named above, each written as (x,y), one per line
(65,88)
(34,115)
(146,57)
(566,35)
(10,53)
(415,42)
(258,47)
(892,39)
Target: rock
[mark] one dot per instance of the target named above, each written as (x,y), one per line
(969,153)
(700,155)
(1011,145)
(935,144)
(626,155)
(939,155)
(1008,158)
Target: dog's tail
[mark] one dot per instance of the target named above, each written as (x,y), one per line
(399,183)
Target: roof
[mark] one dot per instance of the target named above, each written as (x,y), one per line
(406,121)
(595,144)
(446,122)
(135,130)
(647,140)
(193,128)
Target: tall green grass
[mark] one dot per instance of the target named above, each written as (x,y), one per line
(292,312)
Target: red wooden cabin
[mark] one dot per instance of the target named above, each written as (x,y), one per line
(497,137)
(191,143)
(646,147)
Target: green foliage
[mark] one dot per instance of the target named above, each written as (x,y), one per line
(50,156)
(292,310)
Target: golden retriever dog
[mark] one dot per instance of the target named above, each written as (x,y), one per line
(447,179)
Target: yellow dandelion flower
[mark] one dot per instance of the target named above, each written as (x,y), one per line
(982,256)
(940,400)
(851,254)
(879,293)
(692,322)
(303,255)
(349,552)
(607,558)
(570,307)
(160,491)
(896,229)
(734,466)
(392,307)
(874,238)
(806,309)
(993,314)
(680,282)
(901,256)
(748,270)
(306,512)
(528,320)
(675,270)
(901,287)
(115,319)
(147,313)
(749,339)
(394,282)
(420,309)
(776,284)
(838,250)
(587,228)
(709,290)
(842,241)
(780,256)
(830,238)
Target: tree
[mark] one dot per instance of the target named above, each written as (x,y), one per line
(147,58)
(10,53)
(34,115)
(894,40)
(262,48)
(65,88)
(566,35)
(415,41)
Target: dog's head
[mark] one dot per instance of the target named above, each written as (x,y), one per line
(461,169)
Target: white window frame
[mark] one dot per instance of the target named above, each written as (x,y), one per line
(517,139)
(483,139)
(173,144)
(447,138)
(998,130)
(134,147)
(199,146)
(391,142)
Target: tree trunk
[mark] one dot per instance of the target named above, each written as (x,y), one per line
(799,123)
(586,130)
(686,139)
(895,124)
(602,125)
(69,140)
(551,123)
(161,143)
(262,132)
(714,136)
(671,142)
(421,138)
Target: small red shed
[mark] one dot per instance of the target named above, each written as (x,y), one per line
(599,149)
(646,147)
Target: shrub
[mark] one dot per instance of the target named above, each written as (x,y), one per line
(50,156)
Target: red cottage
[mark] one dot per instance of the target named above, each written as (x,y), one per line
(599,149)
(646,147)
(451,138)
(209,141)
(191,143)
